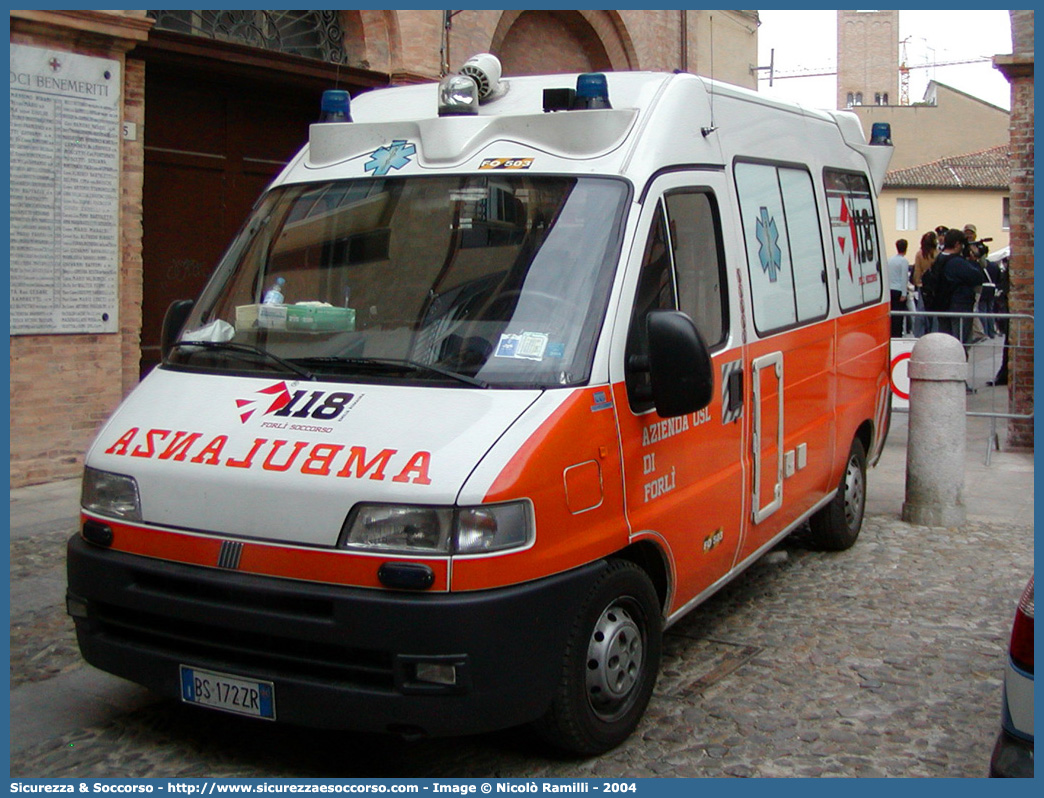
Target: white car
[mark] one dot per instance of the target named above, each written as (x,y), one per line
(1013,753)
(999,254)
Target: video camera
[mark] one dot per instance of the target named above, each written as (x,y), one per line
(973,250)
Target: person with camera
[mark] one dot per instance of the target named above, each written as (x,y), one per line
(975,250)
(957,282)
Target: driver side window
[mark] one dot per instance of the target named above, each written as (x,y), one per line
(682,269)
(656,291)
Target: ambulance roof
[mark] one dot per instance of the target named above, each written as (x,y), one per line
(655,120)
(524,95)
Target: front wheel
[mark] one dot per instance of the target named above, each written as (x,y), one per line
(610,664)
(836,526)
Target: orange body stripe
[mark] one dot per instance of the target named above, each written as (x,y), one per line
(328,566)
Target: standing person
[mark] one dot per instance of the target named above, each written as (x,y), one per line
(1001,305)
(898,277)
(923,259)
(975,252)
(930,286)
(957,282)
(988,299)
(1000,300)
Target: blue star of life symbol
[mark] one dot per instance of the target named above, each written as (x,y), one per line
(384,159)
(769,254)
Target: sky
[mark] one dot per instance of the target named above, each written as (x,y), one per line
(806,41)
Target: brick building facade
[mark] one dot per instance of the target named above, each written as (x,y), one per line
(190,78)
(64,386)
(1018,69)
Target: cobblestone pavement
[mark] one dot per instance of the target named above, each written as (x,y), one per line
(43,643)
(885,660)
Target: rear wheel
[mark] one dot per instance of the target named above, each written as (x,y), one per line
(610,664)
(836,526)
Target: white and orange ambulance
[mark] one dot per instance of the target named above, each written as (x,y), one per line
(499,380)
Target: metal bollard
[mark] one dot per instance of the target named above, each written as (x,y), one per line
(938,369)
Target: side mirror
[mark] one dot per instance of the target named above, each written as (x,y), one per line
(680,368)
(173,320)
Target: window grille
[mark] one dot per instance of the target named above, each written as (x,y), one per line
(311,34)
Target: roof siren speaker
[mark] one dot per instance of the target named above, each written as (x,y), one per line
(484,69)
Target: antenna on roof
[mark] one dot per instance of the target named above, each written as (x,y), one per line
(706,131)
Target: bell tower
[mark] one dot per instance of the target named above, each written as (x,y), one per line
(867,58)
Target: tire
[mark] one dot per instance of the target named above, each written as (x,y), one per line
(610,664)
(836,526)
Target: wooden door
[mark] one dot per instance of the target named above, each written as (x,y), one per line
(212,144)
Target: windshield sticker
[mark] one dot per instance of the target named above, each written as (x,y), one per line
(384,159)
(508,346)
(527,346)
(506,163)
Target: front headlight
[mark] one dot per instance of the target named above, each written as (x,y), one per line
(409,529)
(376,527)
(110,494)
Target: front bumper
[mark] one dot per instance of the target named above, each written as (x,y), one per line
(339,657)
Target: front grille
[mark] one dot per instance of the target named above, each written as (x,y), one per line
(283,603)
(223,620)
(252,652)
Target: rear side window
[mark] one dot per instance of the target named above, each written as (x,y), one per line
(784,245)
(853,225)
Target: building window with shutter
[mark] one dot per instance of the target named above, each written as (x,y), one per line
(905,214)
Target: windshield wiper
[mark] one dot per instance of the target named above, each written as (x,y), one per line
(248,349)
(391,364)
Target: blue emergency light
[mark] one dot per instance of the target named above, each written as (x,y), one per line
(881,133)
(592,91)
(336,106)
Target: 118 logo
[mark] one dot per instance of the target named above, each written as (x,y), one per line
(329,408)
(301,403)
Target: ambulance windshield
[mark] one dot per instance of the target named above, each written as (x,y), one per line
(465,280)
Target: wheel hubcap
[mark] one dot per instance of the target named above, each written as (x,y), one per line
(615,657)
(854,491)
